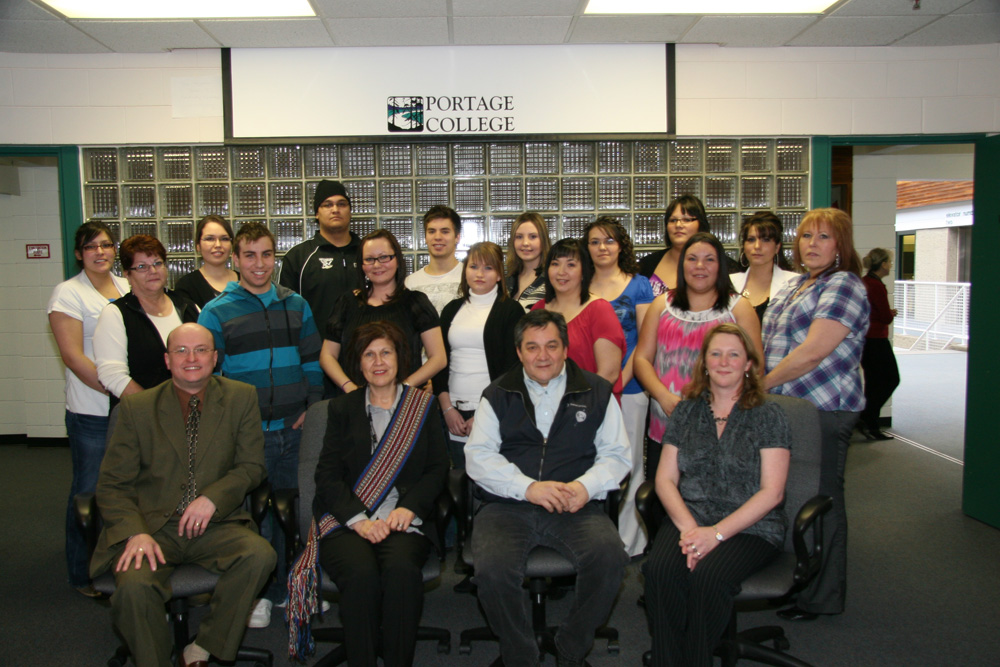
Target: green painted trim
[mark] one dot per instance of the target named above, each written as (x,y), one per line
(981,474)
(879,139)
(70,192)
(821,172)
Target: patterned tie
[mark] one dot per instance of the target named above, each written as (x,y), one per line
(191,430)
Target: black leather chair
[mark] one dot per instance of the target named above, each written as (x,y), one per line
(186,581)
(543,565)
(799,562)
(294,511)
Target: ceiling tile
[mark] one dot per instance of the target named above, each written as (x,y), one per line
(331,9)
(859,31)
(957,29)
(511,30)
(148,36)
(514,7)
(45,37)
(756,31)
(897,8)
(624,29)
(266,33)
(429,31)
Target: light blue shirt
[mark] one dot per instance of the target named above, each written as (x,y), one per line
(494,473)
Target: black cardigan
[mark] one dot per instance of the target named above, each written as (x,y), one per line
(647,265)
(498,338)
(347,452)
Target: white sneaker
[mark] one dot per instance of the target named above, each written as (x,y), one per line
(260,617)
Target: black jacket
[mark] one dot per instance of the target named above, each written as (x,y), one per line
(498,338)
(347,452)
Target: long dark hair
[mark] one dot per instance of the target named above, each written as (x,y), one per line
(723,285)
(569,247)
(86,233)
(769,228)
(617,231)
(366,292)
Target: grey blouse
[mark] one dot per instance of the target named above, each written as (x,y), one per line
(718,475)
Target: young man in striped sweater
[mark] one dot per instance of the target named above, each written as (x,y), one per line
(266,336)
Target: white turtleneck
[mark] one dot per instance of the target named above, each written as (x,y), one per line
(469,374)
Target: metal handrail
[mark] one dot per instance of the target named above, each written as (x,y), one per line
(919,304)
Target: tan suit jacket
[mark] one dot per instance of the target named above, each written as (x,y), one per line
(144,473)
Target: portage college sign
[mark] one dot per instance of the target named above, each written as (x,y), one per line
(450,114)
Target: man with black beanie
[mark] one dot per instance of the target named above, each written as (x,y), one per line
(325,266)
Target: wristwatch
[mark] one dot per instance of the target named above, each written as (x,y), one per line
(718,535)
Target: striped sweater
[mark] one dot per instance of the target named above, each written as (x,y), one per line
(270,341)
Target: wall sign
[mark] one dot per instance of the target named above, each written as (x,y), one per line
(446,91)
(36,250)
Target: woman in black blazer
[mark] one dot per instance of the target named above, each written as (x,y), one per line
(377,554)
(478,331)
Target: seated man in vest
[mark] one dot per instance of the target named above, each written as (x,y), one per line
(547,442)
(182,457)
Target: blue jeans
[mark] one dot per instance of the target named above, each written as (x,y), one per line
(281,457)
(87,439)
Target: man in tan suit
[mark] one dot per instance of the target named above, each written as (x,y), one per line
(153,523)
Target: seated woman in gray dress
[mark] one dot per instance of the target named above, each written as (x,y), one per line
(721,479)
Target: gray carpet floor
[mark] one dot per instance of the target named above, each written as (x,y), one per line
(929,404)
(924,579)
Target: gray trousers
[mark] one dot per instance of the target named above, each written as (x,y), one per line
(828,591)
(505,533)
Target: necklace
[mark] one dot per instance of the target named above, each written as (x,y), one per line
(718,420)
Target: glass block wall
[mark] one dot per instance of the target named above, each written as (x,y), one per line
(164,190)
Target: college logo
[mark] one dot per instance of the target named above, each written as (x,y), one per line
(326,262)
(405,114)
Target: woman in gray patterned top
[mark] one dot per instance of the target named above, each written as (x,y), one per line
(721,479)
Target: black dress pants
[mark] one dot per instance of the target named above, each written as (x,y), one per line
(381,593)
(881,378)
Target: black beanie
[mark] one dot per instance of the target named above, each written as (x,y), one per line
(326,189)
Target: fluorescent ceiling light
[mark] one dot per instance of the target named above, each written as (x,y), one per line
(180,9)
(736,7)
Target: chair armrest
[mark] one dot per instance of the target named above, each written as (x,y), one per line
(613,502)
(650,508)
(444,509)
(88,518)
(286,511)
(259,499)
(809,516)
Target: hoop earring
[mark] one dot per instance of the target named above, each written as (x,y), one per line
(743,259)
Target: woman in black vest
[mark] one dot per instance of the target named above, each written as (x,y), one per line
(131,335)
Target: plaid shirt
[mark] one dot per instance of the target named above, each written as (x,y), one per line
(835,384)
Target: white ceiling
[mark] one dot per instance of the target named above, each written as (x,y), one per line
(26,27)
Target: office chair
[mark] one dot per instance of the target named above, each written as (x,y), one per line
(797,564)
(294,511)
(543,565)
(186,581)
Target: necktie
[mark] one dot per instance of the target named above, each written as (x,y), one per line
(191,431)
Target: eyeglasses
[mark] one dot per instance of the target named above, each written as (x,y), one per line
(144,268)
(212,239)
(199,351)
(337,204)
(681,221)
(381,259)
(608,242)
(94,247)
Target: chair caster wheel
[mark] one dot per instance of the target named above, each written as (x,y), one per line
(613,647)
(465,649)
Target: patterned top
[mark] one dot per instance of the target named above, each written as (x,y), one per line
(658,286)
(636,293)
(835,384)
(719,474)
(678,343)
